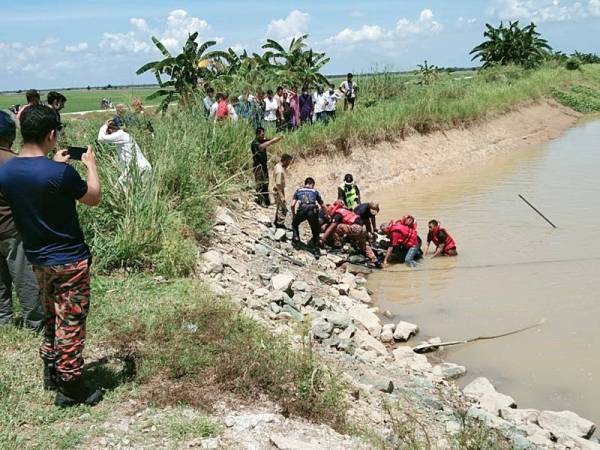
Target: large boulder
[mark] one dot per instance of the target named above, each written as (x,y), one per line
(367,319)
(338,319)
(449,371)
(405,357)
(282,282)
(520,416)
(322,329)
(478,388)
(387,333)
(405,330)
(349,279)
(566,422)
(300,286)
(369,343)
(482,391)
(212,262)
(361,295)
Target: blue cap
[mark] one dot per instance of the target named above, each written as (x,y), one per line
(8,129)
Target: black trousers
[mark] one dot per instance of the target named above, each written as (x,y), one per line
(310,214)
(261,177)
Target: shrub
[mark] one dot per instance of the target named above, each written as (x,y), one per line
(573,64)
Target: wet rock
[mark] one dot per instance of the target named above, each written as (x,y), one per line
(387,333)
(520,416)
(449,371)
(261,250)
(361,295)
(405,357)
(212,262)
(356,269)
(300,286)
(325,278)
(369,343)
(566,422)
(405,330)
(338,319)
(367,319)
(322,329)
(282,282)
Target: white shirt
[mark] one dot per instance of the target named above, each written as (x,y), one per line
(331,100)
(320,102)
(127,149)
(271,107)
(346,87)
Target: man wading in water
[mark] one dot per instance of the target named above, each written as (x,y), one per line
(445,245)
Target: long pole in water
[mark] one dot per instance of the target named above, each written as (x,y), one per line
(537,211)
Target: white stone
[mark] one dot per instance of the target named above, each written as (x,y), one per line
(301,286)
(520,416)
(261,292)
(367,319)
(405,357)
(495,401)
(282,282)
(349,279)
(263,219)
(478,388)
(449,371)
(387,334)
(279,235)
(369,343)
(343,288)
(405,330)
(222,217)
(361,295)
(213,262)
(566,422)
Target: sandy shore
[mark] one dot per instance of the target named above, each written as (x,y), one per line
(439,152)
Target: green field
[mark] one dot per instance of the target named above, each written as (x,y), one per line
(82,99)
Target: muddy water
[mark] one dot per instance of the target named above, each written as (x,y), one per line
(513,270)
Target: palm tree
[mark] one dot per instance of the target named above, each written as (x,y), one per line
(511,45)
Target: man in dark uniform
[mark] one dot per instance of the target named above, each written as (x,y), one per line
(259,163)
(305,207)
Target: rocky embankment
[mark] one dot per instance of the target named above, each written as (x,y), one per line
(251,262)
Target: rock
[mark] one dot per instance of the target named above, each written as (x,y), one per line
(478,388)
(380,383)
(282,282)
(346,345)
(293,313)
(369,343)
(357,259)
(212,262)
(343,288)
(542,439)
(495,401)
(275,307)
(222,217)
(279,235)
(261,292)
(265,276)
(387,333)
(300,286)
(349,279)
(335,259)
(348,333)
(520,416)
(367,319)
(361,295)
(319,304)
(326,279)
(405,357)
(360,281)
(489,419)
(287,442)
(235,265)
(303,298)
(357,269)
(405,330)
(449,371)
(321,329)
(339,320)
(263,219)
(261,250)
(566,422)
(388,315)
(289,235)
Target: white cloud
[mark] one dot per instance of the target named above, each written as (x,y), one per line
(357,14)
(540,10)
(139,24)
(403,30)
(179,26)
(123,43)
(82,46)
(294,25)
(50,41)
(594,8)
(465,21)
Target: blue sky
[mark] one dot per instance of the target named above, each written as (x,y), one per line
(92,42)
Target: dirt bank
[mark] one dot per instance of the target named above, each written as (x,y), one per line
(419,155)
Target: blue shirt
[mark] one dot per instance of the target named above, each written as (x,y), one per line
(307,197)
(42,195)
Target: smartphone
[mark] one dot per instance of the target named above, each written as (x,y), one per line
(76,152)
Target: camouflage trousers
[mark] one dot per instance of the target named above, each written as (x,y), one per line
(358,234)
(65,294)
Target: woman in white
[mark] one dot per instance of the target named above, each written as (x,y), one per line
(128,151)
(271,107)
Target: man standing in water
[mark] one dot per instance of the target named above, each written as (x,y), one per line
(445,245)
(259,163)
(279,176)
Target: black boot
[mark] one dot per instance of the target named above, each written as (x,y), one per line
(49,376)
(74,392)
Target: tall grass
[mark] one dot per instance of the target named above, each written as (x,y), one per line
(154,223)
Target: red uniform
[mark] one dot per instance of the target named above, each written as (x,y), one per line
(449,244)
(402,235)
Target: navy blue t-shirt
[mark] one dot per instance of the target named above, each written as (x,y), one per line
(307,197)
(42,195)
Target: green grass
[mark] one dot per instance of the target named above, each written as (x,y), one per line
(174,334)
(82,99)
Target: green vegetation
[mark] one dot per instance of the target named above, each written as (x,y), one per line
(83,99)
(159,334)
(580,98)
(512,44)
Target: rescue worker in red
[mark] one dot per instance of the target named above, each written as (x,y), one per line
(404,241)
(445,245)
(346,223)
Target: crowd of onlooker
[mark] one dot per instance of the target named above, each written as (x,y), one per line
(285,109)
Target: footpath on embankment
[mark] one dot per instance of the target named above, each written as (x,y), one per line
(251,261)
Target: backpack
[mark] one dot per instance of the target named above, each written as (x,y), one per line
(222,110)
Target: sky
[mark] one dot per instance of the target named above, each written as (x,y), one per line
(64,43)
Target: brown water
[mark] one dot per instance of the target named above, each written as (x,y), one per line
(498,283)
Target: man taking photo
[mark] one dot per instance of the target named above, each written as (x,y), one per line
(42,194)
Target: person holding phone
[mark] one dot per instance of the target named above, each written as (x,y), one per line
(42,194)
